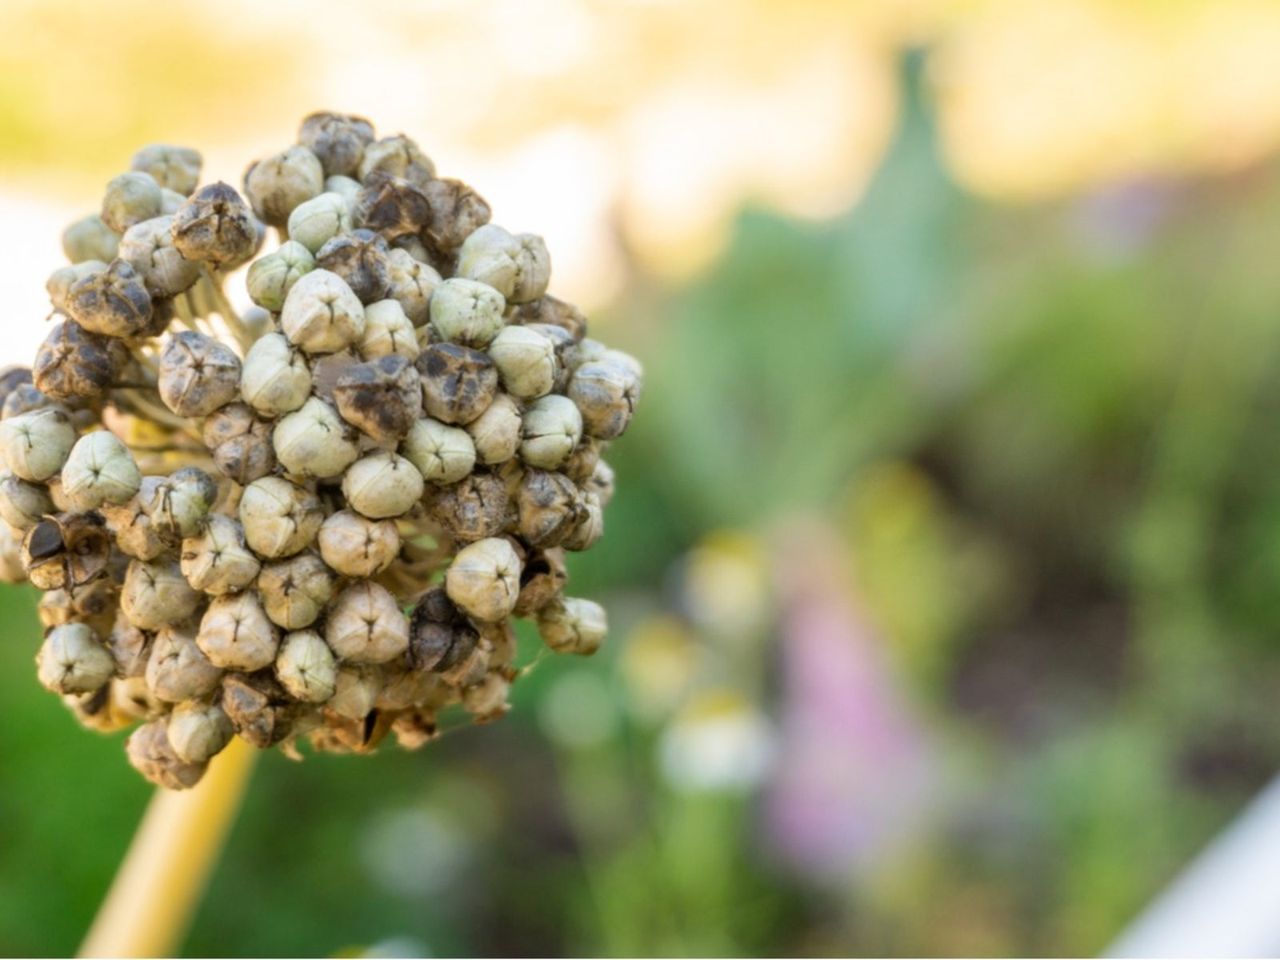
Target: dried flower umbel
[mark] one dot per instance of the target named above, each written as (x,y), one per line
(315,519)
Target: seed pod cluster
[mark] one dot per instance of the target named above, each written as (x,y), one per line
(314,524)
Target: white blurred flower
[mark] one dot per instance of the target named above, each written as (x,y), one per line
(719,743)
(413,852)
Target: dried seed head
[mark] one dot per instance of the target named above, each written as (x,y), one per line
(179,503)
(496,432)
(391,207)
(198,731)
(295,591)
(474,508)
(573,625)
(66,550)
(173,168)
(279,518)
(89,238)
(197,374)
(60,282)
(549,508)
(382,398)
(356,546)
(458,383)
(240,443)
(590,526)
(398,156)
(100,469)
(457,211)
(73,660)
(314,441)
(148,248)
(276,185)
(156,595)
(305,667)
(551,428)
(260,710)
(487,700)
(130,198)
(22,503)
(526,361)
(275,378)
(320,219)
(411,284)
(442,454)
(551,311)
(218,560)
(356,689)
(178,669)
(366,625)
(235,633)
(542,580)
(215,226)
(338,141)
(361,258)
(273,276)
(382,485)
(388,332)
(36,444)
(517,266)
(130,648)
(321,314)
(467,312)
(484,579)
(74,364)
(151,754)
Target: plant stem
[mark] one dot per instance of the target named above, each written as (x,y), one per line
(155,892)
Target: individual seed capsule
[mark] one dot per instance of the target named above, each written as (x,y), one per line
(321,314)
(178,504)
(151,754)
(458,383)
(517,266)
(356,546)
(218,560)
(550,311)
(542,580)
(279,518)
(526,361)
(156,595)
(412,283)
(66,550)
(272,277)
(276,185)
(215,226)
(338,141)
(173,168)
(260,710)
(130,648)
(178,669)
(89,238)
(361,259)
(442,454)
(403,687)
(240,443)
(398,156)
(457,211)
(23,504)
(275,379)
(319,220)
(24,398)
(60,282)
(305,667)
(148,248)
(487,700)
(382,485)
(236,634)
(549,508)
(100,469)
(37,444)
(198,731)
(582,462)
(565,346)
(475,507)
(113,302)
(391,207)
(257,322)
(366,625)
(573,625)
(440,637)
(74,364)
(314,441)
(387,332)
(484,579)
(130,198)
(95,604)
(345,187)
(295,591)
(12,378)
(590,526)
(605,395)
(73,660)
(131,525)
(551,428)
(496,432)
(467,312)
(382,398)
(197,374)
(355,691)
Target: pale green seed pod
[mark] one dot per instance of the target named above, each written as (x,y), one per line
(306,667)
(236,634)
(218,560)
(484,579)
(171,201)
(320,219)
(36,444)
(366,625)
(179,503)
(294,591)
(100,469)
(496,432)
(442,454)
(275,378)
(73,660)
(321,314)
(382,485)
(173,168)
(156,594)
(552,428)
(387,332)
(412,284)
(526,361)
(148,247)
(198,731)
(573,625)
(22,503)
(277,185)
(467,312)
(89,238)
(130,198)
(279,518)
(517,266)
(356,546)
(315,442)
(272,277)
(344,187)
(151,754)
(178,669)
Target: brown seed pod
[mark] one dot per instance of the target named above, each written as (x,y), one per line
(215,226)
(131,524)
(391,207)
(95,604)
(382,398)
(440,636)
(197,374)
(66,550)
(474,508)
(11,378)
(24,398)
(240,443)
(457,211)
(458,383)
(218,560)
(542,580)
(260,709)
(338,141)
(361,259)
(398,156)
(113,303)
(549,507)
(74,364)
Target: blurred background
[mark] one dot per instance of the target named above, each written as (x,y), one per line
(943,572)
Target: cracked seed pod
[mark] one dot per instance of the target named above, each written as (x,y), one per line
(148,248)
(440,636)
(60,282)
(338,140)
(74,660)
(152,755)
(549,507)
(180,502)
(177,669)
(398,156)
(388,332)
(275,378)
(276,185)
(366,625)
(551,428)
(130,198)
(497,431)
(218,560)
(236,634)
(89,238)
(22,503)
(156,594)
(484,579)
(240,443)
(259,708)
(114,302)
(517,266)
(279,518)
(321,314)
(442,454)
(317,221)
(382,398)
(391,207)
(173,168)
(66,549)
(95,604)
(314,441)
(356,546)
(215,226)
(474,508)
(130,523)
(457,211)
(467,312)
(590,526)
(525,360)
(361,259)
(273,276)
(198,731)
(197,374)
(306,668)
(74,364)
(573,625)
(542,580)
(458,383)
(295,591)
(100,469)
(36,444)
(382,485)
